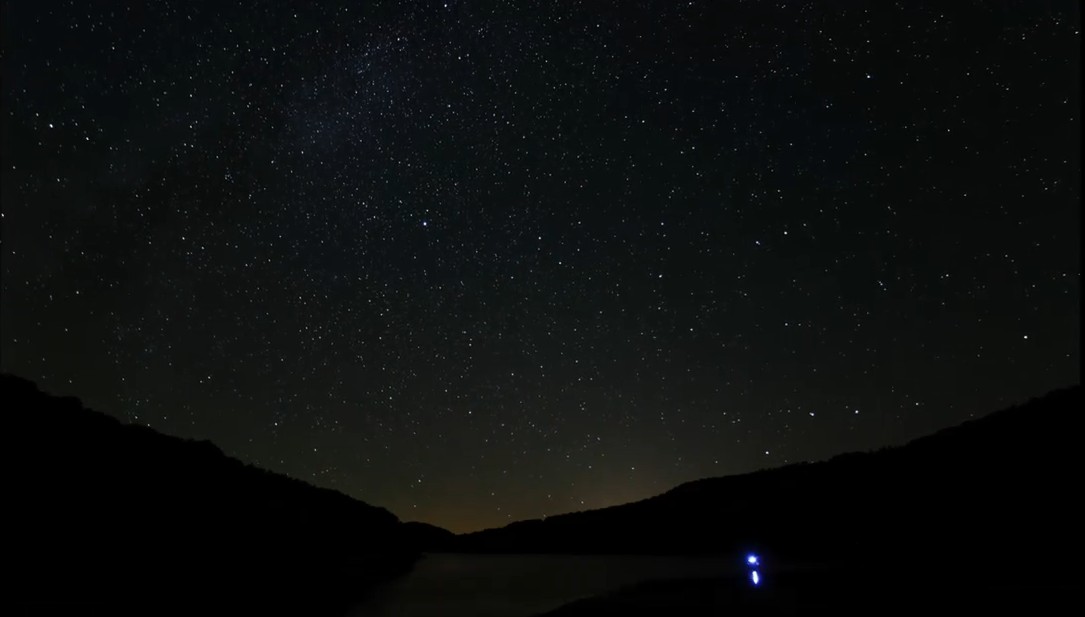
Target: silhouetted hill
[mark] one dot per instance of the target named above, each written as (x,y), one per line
(993,494)
(429,538)
(122,517)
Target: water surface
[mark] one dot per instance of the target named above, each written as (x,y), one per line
(460,585)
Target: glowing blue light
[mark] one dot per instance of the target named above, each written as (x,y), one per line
(752,559)
(755,577)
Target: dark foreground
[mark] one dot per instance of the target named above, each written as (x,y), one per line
(836,592)
(105,518)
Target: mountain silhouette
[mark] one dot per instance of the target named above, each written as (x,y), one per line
(108,518)
(994,497)
(121,518)
(430,538)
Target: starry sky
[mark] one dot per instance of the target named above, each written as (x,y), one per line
(483,261)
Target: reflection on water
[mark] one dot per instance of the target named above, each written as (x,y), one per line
(520,585)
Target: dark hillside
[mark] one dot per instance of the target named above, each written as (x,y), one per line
(116,515)
(996,496)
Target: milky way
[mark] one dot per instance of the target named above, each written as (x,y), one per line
(476,262)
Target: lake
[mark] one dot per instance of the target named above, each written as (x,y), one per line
(461,585)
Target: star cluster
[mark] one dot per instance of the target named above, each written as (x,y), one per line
(482,261)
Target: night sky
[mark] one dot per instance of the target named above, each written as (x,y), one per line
(483,261)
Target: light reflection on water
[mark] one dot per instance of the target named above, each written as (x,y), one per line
(455,585)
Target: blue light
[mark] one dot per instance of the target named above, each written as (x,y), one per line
(754,562)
